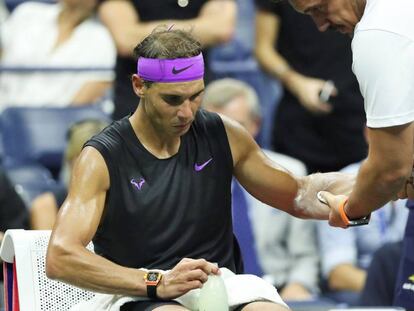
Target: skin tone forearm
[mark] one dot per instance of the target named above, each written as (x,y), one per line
(265,52)
(385,171)
(98,274)
(382,175)
(347,277)
(215,24)
(275,186)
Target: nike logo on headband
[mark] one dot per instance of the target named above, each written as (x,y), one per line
(177,71)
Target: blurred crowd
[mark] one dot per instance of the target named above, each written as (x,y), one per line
(65,70)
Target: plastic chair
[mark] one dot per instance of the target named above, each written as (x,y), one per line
(38,135)
(26,285)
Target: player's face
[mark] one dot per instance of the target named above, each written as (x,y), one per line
(341,15)
(172,106)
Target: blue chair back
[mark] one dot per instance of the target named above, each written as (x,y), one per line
(31,180)
(38,135)
(12,4)
(243,231)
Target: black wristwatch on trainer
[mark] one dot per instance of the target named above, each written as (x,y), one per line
(152,279)
(352,222)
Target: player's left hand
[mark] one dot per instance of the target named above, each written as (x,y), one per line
(334,182)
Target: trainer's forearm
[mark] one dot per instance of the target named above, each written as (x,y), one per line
(85,269)
(375,187)
(384,172)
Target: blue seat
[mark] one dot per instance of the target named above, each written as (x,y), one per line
(38,135)
(243,231)
(31,180)
(1,146)
(12,4)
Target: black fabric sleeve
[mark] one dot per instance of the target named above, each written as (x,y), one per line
(13,212)
(273,6)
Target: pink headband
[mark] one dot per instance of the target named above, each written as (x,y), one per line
(171,70)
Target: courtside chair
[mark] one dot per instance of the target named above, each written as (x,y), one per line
(26,285)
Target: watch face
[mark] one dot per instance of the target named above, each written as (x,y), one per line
(152,276)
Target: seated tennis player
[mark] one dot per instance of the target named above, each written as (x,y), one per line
(153,190)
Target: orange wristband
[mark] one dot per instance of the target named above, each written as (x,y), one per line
(344,218)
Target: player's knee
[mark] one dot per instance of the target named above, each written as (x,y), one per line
(264,306)
(171,308)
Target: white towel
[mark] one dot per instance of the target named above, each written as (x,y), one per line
(241,288)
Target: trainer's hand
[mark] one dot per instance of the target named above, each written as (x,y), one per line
(334,201)
(307,91)
(334,182)
(407,191)
(188,274)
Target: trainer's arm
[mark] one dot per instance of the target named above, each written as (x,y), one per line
(215,23)
(384,173)
(275,186)
(68,259)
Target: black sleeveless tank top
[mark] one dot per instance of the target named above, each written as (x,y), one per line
(158,211)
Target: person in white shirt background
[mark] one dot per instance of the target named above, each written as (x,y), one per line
(383,62)
(46,37)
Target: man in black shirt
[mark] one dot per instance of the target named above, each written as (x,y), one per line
(153,189)
(212,22)
(326,135)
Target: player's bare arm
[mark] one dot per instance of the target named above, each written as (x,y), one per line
(273,184)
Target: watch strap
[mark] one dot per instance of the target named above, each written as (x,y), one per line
(344,217)
(152,283)
(152,291)
(351,222)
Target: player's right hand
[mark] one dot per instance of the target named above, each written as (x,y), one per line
(188,274)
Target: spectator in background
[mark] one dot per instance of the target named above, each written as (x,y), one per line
(235,59)
(326,136)
(285,245)
(3,14)
(386,80)
(347,254)
(381,276)
(13,214)
(45,206)
(212,22)
(52,36)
